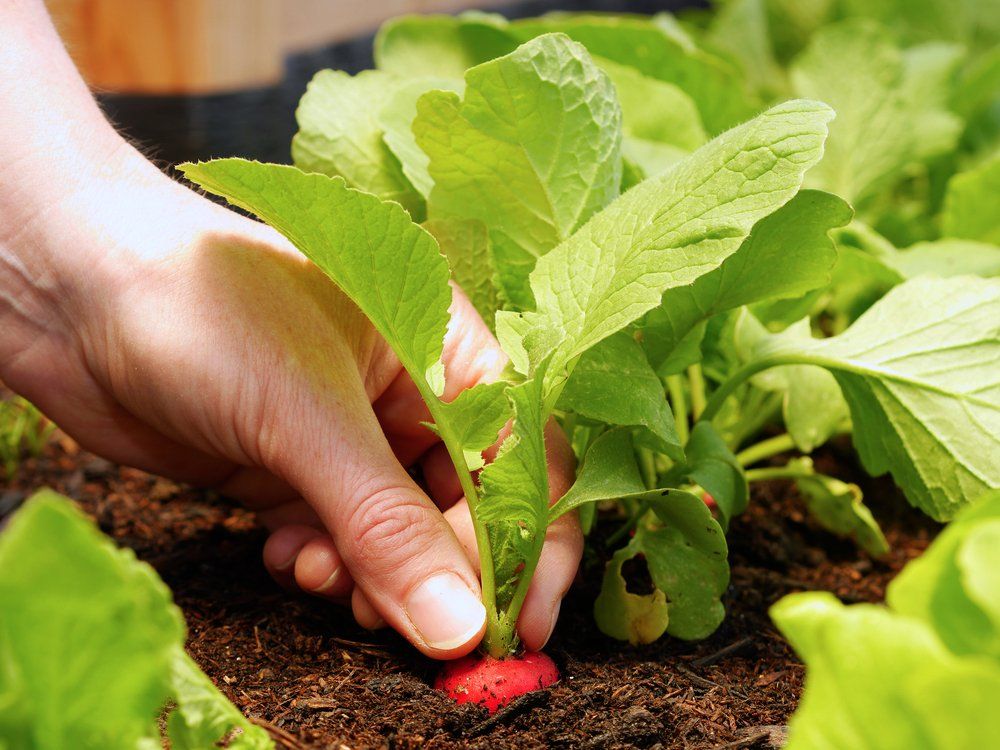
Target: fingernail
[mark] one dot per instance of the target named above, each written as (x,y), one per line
(329,583)
(445,611)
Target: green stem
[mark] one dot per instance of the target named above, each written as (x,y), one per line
(696,380)
(569,425)
(647,467)
(630,524)
(765,449)
(513,611)
(756,415)
(779,358)
(505,639)
(778,472)
(718,398)
(675,388)
(498,633)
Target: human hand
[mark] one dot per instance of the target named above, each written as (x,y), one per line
(203,347)
(165,332)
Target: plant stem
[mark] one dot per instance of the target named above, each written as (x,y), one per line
(508,619)
(498,633)
(757,414)
(630,524)
(569,425)
(778,472)
(718,398)
(647,467)
(778,358)
(696,380)
(675,388)
(765,449)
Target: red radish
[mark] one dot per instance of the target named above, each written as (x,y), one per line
(491,682)
(708,500)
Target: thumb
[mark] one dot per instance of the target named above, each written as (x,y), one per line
(395,542)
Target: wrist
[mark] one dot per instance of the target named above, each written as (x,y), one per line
(70,250)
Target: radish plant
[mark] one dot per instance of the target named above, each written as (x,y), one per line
(874,672)
(92,646)
(602,263)
(648,256)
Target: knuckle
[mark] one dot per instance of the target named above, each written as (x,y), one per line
(387,527)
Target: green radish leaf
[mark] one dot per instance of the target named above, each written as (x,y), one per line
(339,135)
(877,680)
(838,507)
(395,119)
(613,383)
(978,562)
(91,645)
(203,715)
(511,330)
(636,618)
(669,343)
(946,257)
(532,150)
(711,464)
(813,407)
(792,24)
(477,415)
(608,472)
(515,498)
(925,86)
(390,267)
(685,547)
(659,51)
(860,278)
(686,553)
(921,20)
(466,245)
(439,45)
(975,96)
(741,29)
(86,633)
(955,585)
(660,122)
(787,254)
(666,232)
(970,204)
(878,127)
(920,673)
(919,373)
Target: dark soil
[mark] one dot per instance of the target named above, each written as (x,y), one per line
(303,669)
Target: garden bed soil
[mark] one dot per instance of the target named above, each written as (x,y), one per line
(302,669)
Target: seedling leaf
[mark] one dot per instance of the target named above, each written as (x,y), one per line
(839,507)
(636,618)
(614,383)
(391,268)
(919,373)
(668,231)
(339,135)
(531,151)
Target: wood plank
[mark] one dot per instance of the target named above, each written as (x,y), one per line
(212,46)
(173,46)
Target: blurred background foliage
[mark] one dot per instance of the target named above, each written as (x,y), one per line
(196,79)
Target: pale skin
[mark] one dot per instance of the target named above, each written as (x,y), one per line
(164,332)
